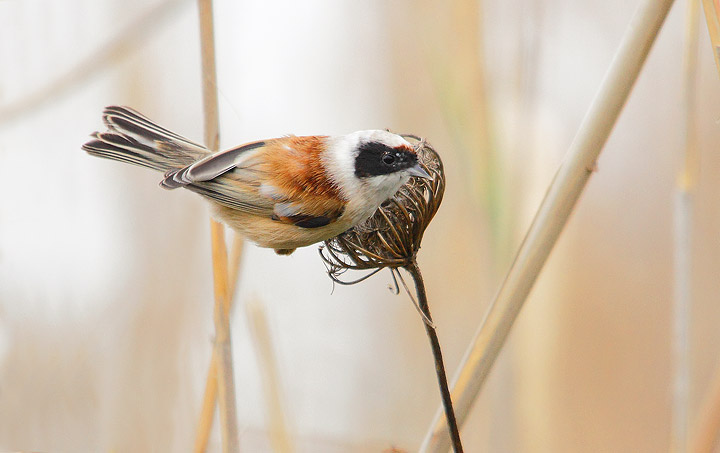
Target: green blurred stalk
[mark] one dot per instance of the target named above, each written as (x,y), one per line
(459,79)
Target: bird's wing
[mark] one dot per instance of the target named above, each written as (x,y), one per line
(212,166)
(282,179)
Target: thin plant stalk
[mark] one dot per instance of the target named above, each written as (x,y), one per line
(267,361)
(207,413)
(223,348)
(552,215)
(682,240)
(447,405)
(712,17)
(223,345)
(236,251)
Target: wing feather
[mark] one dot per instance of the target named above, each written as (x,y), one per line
(222,162)
(212,166)
(273,179)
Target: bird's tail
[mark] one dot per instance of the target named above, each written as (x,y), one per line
(132,138)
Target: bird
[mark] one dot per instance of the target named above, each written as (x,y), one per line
(280,193)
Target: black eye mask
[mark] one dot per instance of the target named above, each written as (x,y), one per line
(375,159)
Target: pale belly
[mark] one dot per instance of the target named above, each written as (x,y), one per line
(270,233)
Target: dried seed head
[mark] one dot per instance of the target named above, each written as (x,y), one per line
(391,237)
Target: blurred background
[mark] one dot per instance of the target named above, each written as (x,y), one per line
(105,279)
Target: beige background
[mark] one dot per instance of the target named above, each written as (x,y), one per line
(105,280)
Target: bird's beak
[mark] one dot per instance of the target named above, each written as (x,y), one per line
(418,171)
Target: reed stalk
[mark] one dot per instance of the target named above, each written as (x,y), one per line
(685,184)
(712,17)
(207,413)
(552,215)
(223,345)
(272,389)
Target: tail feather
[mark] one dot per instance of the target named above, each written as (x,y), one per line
(101,147)
(135,139)
(131,122)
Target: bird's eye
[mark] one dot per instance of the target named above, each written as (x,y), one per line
(388,159)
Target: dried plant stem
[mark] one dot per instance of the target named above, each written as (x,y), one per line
(712,17)
(453,431)
(207,413)
(223,349)
(272,389)
(553,213)
(682,240)
(236,251)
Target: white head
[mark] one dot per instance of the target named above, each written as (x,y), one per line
(370,166)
